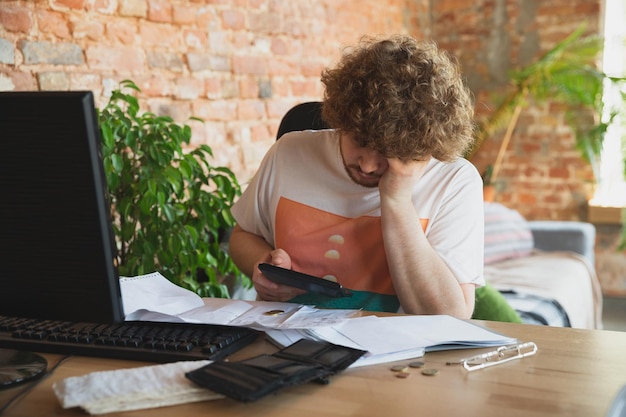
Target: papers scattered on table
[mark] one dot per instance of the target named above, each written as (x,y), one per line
(397,337)
(153,297)
(133,388)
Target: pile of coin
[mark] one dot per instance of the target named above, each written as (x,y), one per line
(402,371)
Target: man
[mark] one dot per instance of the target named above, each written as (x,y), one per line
(382,203)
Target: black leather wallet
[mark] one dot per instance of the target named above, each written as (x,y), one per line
(251,379)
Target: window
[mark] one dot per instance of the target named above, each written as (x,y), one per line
(611,189)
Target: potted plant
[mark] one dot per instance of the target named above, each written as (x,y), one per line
(170,206)
(568,75)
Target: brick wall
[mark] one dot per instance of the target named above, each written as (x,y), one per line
(542,174)
(237,64)
(240,64)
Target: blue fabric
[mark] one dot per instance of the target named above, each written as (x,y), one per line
(364,300)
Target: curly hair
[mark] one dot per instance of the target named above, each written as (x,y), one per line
(403,98)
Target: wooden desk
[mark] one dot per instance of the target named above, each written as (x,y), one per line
(575,373)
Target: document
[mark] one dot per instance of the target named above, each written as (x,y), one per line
(390,338)
(398,337)
(154,292)
(152,297)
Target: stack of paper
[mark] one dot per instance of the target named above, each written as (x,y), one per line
(397,337)
(386,339)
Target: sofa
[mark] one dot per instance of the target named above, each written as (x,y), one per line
(544,269)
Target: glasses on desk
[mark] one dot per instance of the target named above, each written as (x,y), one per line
(496,357)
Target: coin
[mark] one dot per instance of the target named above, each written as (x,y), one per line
(399,368)
(417,364)
(430,372)
(274,312)
(402,375)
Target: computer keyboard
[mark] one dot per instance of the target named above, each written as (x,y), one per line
(131,340)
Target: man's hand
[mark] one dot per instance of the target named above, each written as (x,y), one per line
(398,181)
(268,290)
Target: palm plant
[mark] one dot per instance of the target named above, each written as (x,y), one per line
(567,75)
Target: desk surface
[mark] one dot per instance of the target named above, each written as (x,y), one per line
(575,373)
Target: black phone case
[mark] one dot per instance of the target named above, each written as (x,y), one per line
(303,281)
(251,379)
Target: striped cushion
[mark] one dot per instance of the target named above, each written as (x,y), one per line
(507,234)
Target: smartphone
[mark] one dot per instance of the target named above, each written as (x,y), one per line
(303,281)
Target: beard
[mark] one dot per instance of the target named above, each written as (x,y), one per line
(361,178)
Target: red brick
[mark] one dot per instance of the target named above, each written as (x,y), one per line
(220,110)
(105,6)
(159,34)
(279,46)
(260,133)
(249,65)
(526,198)
(189,88)
(15,19)
(249,88)
(263,22)
(251,110)
(90,29)
(276,109)
(153,86)
(312,68)
(213,87)
(207,18)
(559,172)
(197,39)
(230,89)
(159,11)
(85,81)
(233,20)
(134,8)
(72,4)
(22,80)
(176,109)
(184,15)
(281,87)
(55,23)
(255,4)
(307,88)
(122,59)
(124,31)
(281,66)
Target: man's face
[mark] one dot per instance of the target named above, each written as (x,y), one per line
(364,166)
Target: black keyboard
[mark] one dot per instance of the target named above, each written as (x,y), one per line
(131,340)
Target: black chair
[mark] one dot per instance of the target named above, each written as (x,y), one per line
(303,116)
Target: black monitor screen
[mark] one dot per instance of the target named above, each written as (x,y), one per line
(57,252)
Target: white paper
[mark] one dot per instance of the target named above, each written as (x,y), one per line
(385,339)
(154,292)
(133,388)
(152,297)
(393,338)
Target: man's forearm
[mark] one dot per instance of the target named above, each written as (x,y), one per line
(246,249)
(422,280)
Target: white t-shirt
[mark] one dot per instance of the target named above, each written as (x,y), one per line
(302,200)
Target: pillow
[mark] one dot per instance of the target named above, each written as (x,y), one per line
(507,234)
(491,305)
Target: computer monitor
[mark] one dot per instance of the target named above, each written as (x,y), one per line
(57,257)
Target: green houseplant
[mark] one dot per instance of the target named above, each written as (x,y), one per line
(170,207)
(567,75)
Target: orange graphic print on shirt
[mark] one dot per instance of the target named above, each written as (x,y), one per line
(342,249)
